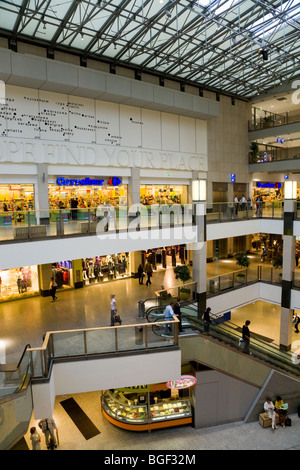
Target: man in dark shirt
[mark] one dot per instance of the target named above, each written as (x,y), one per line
(246,337)
(177,312)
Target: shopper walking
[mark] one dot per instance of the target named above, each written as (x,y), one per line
(149,271)
(177,312)
(141,274)
(270,409)
(246,337)
(53,287)
(113,309)
(48,427)
(35,439)
(207,320)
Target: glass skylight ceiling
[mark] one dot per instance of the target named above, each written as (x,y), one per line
(212,43)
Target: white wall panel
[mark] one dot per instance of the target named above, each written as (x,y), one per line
(130,126)
(170,132)
(151,129)
(187,135)
(82,118)
(22,112)
(54,116)
(107,123)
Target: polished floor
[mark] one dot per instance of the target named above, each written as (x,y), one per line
(232,436)
(26,321)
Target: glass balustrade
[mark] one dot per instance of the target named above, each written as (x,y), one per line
(40,224)
(219,284)
(97,341)
(229,211)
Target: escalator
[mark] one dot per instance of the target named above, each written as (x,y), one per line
(220,349)
(16,404)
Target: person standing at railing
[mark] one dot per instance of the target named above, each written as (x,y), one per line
(236,206)
(177,312)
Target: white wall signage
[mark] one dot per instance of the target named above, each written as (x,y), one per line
(38,126)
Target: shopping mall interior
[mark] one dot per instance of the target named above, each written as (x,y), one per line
(149,152)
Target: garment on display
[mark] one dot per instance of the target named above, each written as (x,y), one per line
(105,268)
(18,282)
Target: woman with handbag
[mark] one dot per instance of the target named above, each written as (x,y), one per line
(53,287)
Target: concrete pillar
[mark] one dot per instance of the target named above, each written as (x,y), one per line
(45,273)
(42,197)
(288,267)
(134,187)
(199,256)
(77,273)
(135,261)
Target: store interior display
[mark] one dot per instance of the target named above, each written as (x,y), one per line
(18,282)
(136,405)
(163,194)
(268,194)
(74,197)
(105,268)
(15,199)
(62,273)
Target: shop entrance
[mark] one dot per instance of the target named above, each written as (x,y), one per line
(101,269)
(166,257)
(163,194)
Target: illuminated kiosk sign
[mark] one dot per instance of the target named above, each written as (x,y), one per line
(269,185)
(186,381)
(61,181)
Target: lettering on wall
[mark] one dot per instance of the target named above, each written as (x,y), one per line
(38,126)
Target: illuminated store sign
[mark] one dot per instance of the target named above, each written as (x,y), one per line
(186,381)
(61,181)
(269,185)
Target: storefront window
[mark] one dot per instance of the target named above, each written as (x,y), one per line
(15,198)
(105,268)
(63,197)
(163,194)
(18,282)
(270,192)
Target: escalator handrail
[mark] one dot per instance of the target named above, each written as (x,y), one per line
(14,367)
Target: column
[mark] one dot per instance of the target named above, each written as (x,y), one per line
(42,197)
(199,248)
(134,187)
(135,261)
(288,265)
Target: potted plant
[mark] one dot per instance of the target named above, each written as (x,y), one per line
(243,261)
(183,273)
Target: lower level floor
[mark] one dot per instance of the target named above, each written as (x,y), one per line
(232,436)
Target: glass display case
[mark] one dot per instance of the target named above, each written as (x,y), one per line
(122,409)
(145,410)
(170,410)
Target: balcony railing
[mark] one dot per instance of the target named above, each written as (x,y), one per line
(243,277)
(271,153)
(39,224)
(96,342)
(228,211)
(262,119)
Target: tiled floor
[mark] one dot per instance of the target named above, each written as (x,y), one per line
(234,436)
(27,320)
